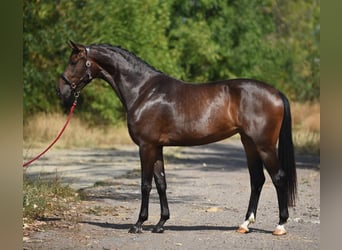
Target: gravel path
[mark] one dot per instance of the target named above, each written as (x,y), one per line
(208,192)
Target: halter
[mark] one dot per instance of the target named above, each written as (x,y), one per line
(87,74)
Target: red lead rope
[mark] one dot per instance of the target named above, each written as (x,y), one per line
(58,136)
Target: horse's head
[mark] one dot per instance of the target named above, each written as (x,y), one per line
(78,72)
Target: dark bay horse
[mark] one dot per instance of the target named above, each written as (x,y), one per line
(163,111)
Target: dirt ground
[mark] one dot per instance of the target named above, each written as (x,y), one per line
(208,192)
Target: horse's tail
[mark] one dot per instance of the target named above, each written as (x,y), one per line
(286,153)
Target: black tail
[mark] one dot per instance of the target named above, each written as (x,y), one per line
(286,153)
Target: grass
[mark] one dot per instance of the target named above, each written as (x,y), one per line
(43,198)
(42,129)
(306,127)
(99,210)
(307,142)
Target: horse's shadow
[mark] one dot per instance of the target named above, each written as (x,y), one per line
(178,228)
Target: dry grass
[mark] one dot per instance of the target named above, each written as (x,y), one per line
(306,116)
(306,127)
(41,129)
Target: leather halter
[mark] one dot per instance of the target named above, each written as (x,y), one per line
(87,74)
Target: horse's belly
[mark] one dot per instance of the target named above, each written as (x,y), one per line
(192,136)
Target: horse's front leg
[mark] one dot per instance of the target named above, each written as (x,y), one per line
(148,156)
(159,178)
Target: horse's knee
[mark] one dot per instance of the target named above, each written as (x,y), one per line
(160,182)
(146,188)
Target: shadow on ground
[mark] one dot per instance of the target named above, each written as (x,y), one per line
(179,228)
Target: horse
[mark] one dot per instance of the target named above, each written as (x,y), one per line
(164,111)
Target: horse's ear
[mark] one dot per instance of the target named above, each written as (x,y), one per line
(74,46)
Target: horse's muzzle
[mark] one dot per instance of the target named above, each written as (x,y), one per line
(63,89)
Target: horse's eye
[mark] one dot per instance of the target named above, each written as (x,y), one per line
(73,59)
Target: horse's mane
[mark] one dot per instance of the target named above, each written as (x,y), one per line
(129,56)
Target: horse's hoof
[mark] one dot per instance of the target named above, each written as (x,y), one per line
(242,230)
(280,230)
(158,230)
(135,230)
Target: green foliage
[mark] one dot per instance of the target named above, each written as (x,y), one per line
(200,40)
(298,34)
(101,104)
(222,39)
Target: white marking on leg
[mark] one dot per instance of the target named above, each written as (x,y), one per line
(251,218)
(246,223)
(280,227)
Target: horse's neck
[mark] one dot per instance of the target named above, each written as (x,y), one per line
(126,81)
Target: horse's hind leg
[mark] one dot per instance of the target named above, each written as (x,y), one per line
(159,178)
(257,179)
(278,177)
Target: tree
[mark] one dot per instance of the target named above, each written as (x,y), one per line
(298,33)
(276,41)
(224,39)
(138,26)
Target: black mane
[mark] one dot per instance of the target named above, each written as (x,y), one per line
(127,55)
